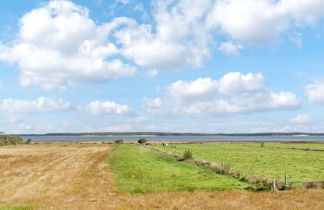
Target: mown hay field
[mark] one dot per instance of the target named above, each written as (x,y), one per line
(258,161)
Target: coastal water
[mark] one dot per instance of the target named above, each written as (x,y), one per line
(177,138)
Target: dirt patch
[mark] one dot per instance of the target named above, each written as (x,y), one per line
(77,177)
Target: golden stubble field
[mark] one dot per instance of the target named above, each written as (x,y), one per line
(78,177)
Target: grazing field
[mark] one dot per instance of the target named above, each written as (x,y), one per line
(79,177)
(310,146)
(140,170)
(261,161)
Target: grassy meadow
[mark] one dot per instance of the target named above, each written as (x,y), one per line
(140,170)
(311,146)
(259,161)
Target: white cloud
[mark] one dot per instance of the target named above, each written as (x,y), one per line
(152,105)
(123,1)
(58,45)
(315,92)
(232,94)
(152,73)
(297,39)
(178,39)
(302,119)
(230,48)
(262,21)
(96,108)
(40,105)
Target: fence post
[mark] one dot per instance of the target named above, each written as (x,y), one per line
(286,180)
(274,187)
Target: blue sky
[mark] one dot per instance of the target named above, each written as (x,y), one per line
(177,65)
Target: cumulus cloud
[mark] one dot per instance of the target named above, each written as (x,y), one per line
(178,39)
(96,108)
(262,21)
(58,44)
(302,119)
(315,92)
(16,108)
(232,94)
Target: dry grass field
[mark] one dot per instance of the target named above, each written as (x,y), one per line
(78,177)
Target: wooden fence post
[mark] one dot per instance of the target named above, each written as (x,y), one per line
(274,187)
(286,180)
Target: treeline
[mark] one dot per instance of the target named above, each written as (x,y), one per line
(10,139)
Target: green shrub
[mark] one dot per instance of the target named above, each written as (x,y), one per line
(10,139)
(142,141)
(262,144)
(28,141)
(187,155)
(119,141)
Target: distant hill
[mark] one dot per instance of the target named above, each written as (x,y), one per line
(174,134)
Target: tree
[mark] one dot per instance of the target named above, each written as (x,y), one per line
(142,141)
(119,141)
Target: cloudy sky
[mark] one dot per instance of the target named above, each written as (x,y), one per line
(162,65)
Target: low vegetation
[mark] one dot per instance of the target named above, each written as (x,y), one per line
(10,140)
(187,155)
(140,170)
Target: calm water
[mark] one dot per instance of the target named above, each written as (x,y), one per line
(179,138)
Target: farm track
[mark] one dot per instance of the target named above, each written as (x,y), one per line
(77,177)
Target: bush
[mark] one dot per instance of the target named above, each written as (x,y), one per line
(119,141)
(28,141)
(187,155)
(142,141)
(262,144)
(10,139)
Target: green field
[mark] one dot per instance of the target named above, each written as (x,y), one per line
(140,170)
(288,145)
(261,161)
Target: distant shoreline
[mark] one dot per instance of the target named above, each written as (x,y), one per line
(152,134)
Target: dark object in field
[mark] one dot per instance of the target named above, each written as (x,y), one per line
(142,141)
(148,144)
(10,139)
(28,141)
(119,141)
(262,144)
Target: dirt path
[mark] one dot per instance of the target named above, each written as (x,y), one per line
(77,177)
